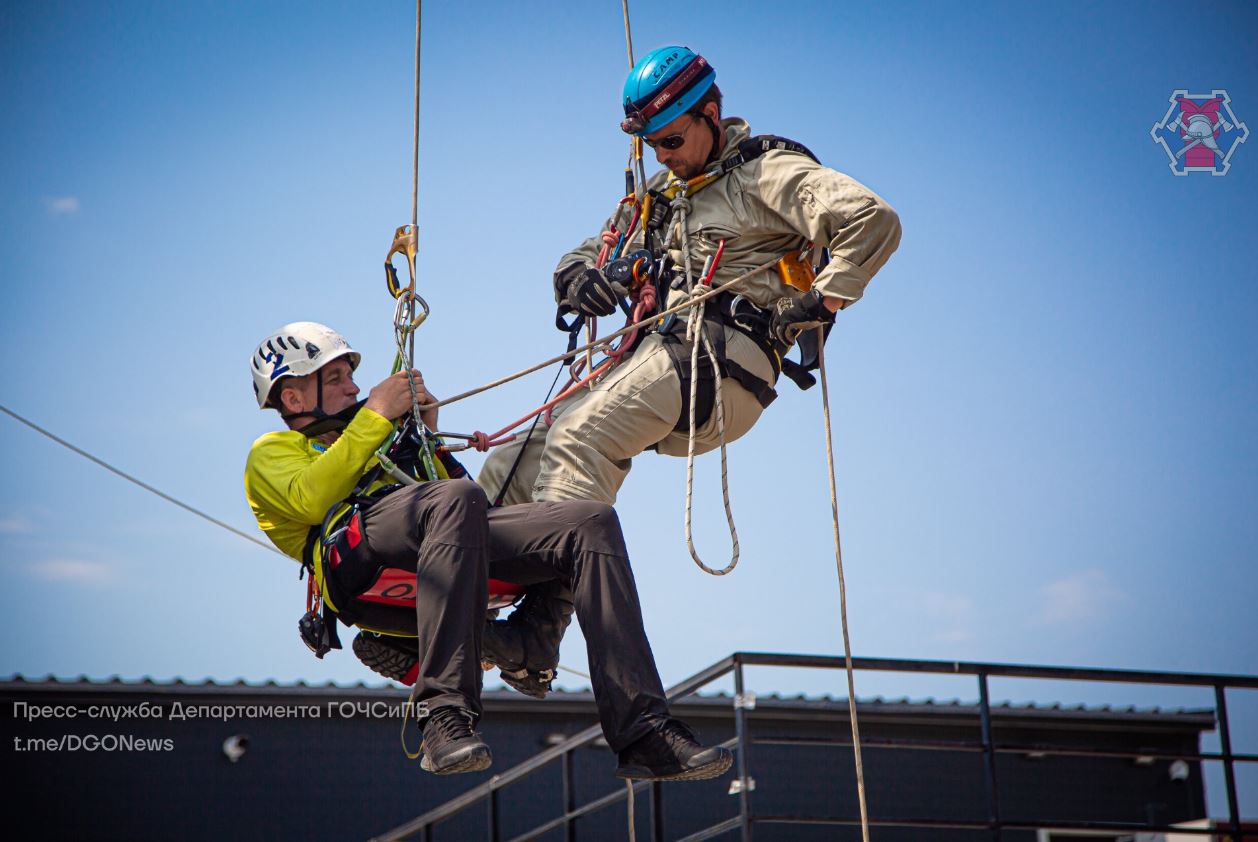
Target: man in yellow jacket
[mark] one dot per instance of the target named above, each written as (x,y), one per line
(445,531)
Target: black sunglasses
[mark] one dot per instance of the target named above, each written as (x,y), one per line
(672,141)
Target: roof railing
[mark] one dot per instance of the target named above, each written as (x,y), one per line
(423,826)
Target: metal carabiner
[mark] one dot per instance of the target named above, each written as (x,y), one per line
(405,241)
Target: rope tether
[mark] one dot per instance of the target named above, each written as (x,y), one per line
(697,299)
(697,332)
(838,560)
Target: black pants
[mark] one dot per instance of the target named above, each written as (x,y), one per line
(448,533)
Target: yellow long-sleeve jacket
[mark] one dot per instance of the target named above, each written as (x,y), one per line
(291,481)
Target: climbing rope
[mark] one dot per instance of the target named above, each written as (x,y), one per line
(696,334)
(633,831)
(697,299)
(415,144)
(410,309)
(838,560)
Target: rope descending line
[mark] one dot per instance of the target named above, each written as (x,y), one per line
(838,560)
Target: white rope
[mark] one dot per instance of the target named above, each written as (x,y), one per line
(838,559)
(697,333)
(633,831)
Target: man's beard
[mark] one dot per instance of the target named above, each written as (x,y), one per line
(688,171)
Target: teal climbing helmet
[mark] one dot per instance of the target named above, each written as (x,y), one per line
(662,86)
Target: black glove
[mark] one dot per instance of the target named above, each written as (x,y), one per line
(591,294)
(791,317)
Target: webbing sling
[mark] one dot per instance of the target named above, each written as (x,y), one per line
(718,315)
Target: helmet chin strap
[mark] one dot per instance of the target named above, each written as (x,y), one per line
(716,139)
(317,412)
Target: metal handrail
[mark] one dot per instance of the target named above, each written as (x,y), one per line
(983,671)
(579,740)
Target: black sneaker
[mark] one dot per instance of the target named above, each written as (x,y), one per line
(451,744)
(671,752)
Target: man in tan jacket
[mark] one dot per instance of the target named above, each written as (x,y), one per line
(763,198)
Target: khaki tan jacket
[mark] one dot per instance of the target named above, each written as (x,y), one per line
(768,207)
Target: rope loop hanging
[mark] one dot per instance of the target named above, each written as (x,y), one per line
(696,335)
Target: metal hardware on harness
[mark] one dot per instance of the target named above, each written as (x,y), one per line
(746,316)
(630,271)
(404,241)
(314,633)
(796,272)
(406,320)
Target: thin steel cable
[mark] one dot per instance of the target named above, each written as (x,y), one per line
(575,672)
(129,478)
(838,560)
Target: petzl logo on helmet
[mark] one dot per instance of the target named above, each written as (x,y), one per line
(1199,132)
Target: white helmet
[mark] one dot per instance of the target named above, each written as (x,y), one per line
(296,350)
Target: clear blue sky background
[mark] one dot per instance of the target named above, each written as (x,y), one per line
(1046,404)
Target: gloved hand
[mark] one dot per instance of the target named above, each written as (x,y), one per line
(791,317)
(590,293)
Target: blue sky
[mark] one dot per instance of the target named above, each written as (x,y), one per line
(1045,405)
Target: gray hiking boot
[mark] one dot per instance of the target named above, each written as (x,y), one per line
(525,646)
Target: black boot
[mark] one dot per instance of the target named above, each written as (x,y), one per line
(451,744)
(525,646)
(671,752)
(392,657)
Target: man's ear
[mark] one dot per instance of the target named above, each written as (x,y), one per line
(290,398)
(713,111)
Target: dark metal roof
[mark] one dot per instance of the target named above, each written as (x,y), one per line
(560,698)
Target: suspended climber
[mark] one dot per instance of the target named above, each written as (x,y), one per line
(744,200)
(728,202)
(323,495)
